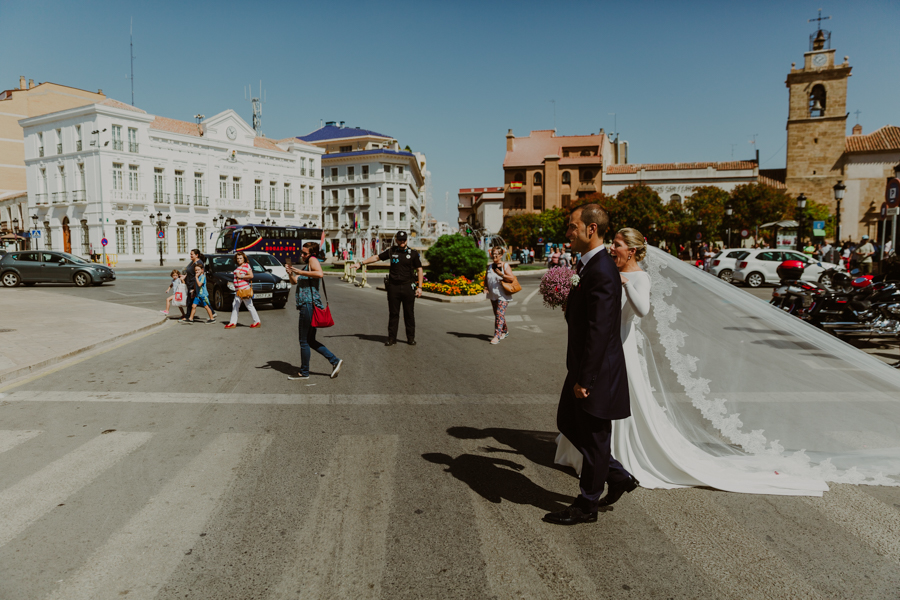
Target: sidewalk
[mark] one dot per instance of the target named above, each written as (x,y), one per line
(37,330)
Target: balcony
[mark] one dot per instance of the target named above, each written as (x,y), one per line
(364,201)
(60,197)
(78,146)
(41,199)
(79,196)
(129,197)
(41,151)
(201,200)
(59,148)
(332,179)
(364,176)
(288,206)
(132,146)
(303,171)
(351,177)
(162,198)
(274,205)
(117,145)
(181,199)
(259,205)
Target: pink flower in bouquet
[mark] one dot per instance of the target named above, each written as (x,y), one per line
(556,285)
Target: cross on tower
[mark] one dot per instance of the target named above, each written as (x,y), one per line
(819,20)
(857,112)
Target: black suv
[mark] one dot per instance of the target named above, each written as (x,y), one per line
(267,288)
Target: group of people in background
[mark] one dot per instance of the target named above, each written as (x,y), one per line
(190,285)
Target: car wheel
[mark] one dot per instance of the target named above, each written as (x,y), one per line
(825,280)
(725,275)
(82,279)
(755,280)
(11,279)
(219,299)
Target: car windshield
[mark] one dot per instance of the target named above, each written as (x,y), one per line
(266,260)
(72,258)
(227,263)
(739,255)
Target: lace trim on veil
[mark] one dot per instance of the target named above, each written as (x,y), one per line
(715,410)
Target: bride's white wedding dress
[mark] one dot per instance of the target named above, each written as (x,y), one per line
(655,451)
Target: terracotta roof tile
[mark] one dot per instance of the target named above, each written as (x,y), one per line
(267,144)
(122,105)
(479,190)
(772,183)
(737,165)
(175,126)
(531,150)
(886,138)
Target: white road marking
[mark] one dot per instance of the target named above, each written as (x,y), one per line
(342,545)
(11,439)
(531,295)
(39,493)
(531,328)
(275,399)
(138,559)
(870,520)
(723,550)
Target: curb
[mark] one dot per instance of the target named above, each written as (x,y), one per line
(22,371)
(441,298)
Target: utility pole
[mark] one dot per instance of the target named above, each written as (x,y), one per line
(131,54)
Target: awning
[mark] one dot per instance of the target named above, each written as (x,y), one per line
(786,224)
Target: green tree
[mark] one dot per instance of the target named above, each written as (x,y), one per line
(707,204)
(756,205)
(456,254)
(816,211)
(525,230)
(637,206)
(675,225)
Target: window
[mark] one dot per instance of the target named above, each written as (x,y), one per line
(40,144)
(387,169)
(365,195)
(675,198)
(378,192)
(179,187)
(519,201)
(59,141)
(121,239)
(62,186)
(48,238)
(117,176)
(273,196)
(817,101)
(351,196)
(200,238)
(379,216)
(302,166)
(236,188)
(181,239)
(390,195)
(351,173)
(199,196)
(223,186)
(519,177)
(132,178)
(587,175)
(538,179)
(82,183)
(132,140)
(400,171)
(334,175)
(402,195)
(158,194)
(403,217)
(78,138)
(538,202)
(346,149)
(257,195)
(137,238)
(334,198)
(85,238)
(566,200)
(390,217)
(117,137)
(287,197)
(365,172)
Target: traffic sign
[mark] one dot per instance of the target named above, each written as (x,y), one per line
(35,233)
(745,233)
(893,212)
(818,224)
(104,242)
(882,212)
(892,192)
(699,236)
(161,235)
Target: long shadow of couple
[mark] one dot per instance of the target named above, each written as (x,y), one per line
(497,479)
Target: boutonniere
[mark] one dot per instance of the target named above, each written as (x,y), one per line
(575,281)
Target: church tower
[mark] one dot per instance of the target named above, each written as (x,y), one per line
(817,121)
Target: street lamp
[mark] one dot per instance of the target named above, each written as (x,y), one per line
(728,212)
(160,229)
(838,188)
(801,207)
(34,219)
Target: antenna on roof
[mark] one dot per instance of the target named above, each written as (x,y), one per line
(257,106)
(131,54)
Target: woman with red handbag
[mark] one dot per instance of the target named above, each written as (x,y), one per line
(313,313)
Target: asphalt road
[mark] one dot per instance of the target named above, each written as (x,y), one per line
(186,465)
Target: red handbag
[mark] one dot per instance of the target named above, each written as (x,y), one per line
(321,317)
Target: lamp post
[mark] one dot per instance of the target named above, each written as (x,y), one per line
(160,229)
(728,212)
(838,188)
(15,231)
(96,144)
(34,219)
(801,208)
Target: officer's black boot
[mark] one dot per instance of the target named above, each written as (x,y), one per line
(390,342)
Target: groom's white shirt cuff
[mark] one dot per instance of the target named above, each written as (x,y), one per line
(587,256)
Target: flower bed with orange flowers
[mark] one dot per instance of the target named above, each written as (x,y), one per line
(458,286)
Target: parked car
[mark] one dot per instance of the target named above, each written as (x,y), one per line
(269,263)
(43,266)
(760,266)
(725,262)
(267,288)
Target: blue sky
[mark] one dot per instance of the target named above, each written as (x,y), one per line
(685,79)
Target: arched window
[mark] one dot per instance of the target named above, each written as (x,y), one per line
(519,177)
(566,177)
(675,198)
(817,101)
(587,175)
(538,180)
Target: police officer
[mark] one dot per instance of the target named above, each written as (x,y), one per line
(402,289)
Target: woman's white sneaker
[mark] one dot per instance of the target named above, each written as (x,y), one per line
(337,368)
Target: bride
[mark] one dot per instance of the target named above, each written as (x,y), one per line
(648,443)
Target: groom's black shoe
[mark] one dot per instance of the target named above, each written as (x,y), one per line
(573,515)
(615,490)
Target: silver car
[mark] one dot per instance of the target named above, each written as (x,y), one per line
(43,266)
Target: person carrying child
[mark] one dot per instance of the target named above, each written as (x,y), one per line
(201,298)
(177,288)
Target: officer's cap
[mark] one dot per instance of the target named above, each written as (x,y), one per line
(401,236)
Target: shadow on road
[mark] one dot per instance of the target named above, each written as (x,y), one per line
(538,447)
(286,368)
(363,336)
(477,336)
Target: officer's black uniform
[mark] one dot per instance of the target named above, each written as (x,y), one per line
(401,289)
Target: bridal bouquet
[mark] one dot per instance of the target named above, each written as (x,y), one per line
(556,285)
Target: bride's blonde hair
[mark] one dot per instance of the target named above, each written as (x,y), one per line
(634,239)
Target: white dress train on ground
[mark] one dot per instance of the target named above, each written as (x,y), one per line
(650,446)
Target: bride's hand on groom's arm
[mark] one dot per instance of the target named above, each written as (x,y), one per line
(581,392)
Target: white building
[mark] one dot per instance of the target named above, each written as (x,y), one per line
(370,188)
(676,182)
(105,168)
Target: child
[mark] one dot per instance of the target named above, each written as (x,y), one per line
(173,287)
(202,297)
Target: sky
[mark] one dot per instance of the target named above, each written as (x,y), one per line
(687,81)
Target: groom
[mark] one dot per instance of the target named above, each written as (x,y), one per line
(596,387)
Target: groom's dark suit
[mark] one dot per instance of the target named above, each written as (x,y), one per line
(595,360)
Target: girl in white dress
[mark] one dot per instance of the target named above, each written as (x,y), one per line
(647,443)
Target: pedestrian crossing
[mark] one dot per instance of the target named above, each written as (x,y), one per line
(340,547)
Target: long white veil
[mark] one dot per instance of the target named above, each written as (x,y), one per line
(740,378)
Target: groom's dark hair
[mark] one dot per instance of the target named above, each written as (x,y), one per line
(594,213)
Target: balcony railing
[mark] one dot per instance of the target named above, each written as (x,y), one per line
(133,197)
(78,145)
(59,148)
(181,199)
(162,198)
(79,196)
(274,205)
(41,151)
(259,204)
(365,176)
(201,200)
(117,144)
(333,179)
(351,177)
(41,199)
(59,197)
(132,147)
(289,206)
(303,170)
(364,201)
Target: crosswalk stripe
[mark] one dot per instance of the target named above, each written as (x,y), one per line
(140,556)
(342,544)
(869,519)
(9,439)
(36,495)
(720,548)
